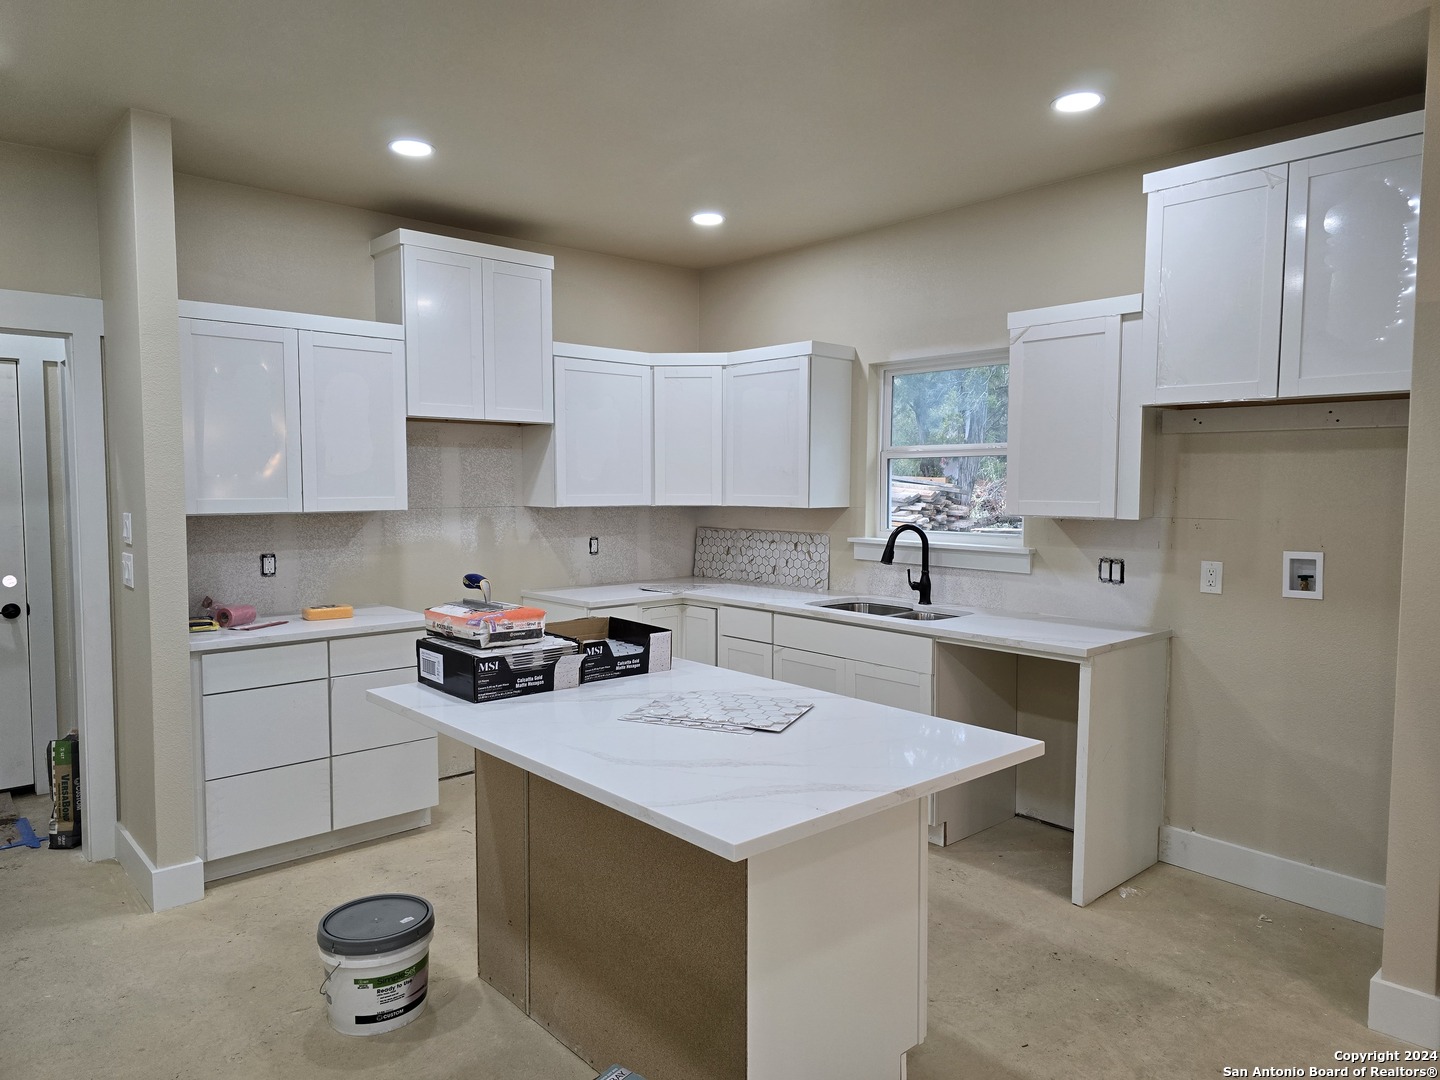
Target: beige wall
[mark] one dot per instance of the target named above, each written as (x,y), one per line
(241,245)
(1281,710)
(154,731)
(49,210)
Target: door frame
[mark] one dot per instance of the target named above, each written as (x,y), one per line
(80,321)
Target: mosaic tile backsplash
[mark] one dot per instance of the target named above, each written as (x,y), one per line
(797,559)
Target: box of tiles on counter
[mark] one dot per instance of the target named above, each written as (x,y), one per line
(568,654)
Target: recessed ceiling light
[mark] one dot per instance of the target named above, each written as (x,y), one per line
(708,218)
(1079,101)
(412,148)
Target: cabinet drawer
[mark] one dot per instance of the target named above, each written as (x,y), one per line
(908,651)
(358,724)
(745,623)
(256,810)
(375,784)
(260,729)
(244,668)
(373,652)
(737,654)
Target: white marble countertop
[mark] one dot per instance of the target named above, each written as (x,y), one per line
(733,795)
(1035,634)
(367,620)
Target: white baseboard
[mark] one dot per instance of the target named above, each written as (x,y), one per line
(1324,890)
(1412,1015)
(160,887)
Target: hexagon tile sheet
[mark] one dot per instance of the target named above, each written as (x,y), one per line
(800,560)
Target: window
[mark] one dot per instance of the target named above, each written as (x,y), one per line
(943,447)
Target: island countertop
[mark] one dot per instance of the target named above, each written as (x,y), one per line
(733,795)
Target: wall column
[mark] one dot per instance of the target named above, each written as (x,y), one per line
(155,750)
(1405,993)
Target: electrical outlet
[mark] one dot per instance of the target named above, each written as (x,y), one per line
(594,545)
(267,565)
(125,532)
(1211,575)
(127,570)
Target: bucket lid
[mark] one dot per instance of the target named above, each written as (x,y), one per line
(375,924)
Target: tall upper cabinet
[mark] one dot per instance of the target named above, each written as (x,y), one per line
(477,326)
(1287,271)
(286,412)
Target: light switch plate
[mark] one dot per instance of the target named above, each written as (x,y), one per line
(125,533)
(127,570)
(1211,576)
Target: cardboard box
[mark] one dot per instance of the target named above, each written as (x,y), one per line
(613,648)
(475,674)
(64,760)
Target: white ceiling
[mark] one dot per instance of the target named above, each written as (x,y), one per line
(602,124)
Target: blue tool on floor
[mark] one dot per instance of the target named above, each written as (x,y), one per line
(27,836)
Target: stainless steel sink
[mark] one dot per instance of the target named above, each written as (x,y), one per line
(929,616)
(866,607)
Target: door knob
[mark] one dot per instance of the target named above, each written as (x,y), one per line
(10,611)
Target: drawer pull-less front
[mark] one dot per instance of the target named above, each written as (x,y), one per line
(273,665)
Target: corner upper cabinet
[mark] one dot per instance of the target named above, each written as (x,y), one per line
(787,428)
(477,326)
(1080,439)
(1286,271)
(286,412)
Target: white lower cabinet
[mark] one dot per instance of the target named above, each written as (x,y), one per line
(698,642)
(815,670)
(738,654)
(290,748)
(896,687)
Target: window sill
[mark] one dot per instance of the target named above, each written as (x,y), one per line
(964,555)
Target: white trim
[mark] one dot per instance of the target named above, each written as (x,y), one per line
(1412,1015)
(82,321)
(245,861)
(414,238)
(161,887)
(1327,142)
(296,320)
(1005,558)
(1086,309)
(1294,416)
(1300,883)
(705,359)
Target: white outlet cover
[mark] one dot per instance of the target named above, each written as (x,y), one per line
(127,570)
(1212,572)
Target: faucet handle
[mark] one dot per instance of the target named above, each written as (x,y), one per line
(916,585)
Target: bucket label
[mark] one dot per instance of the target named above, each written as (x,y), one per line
(395,994)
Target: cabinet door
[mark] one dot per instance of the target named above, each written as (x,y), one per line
(901,689)
(767,433)
(381,783)
(602,433)
(352,418)
(444,334)
(815,670)
(240,388)
(519,369)
(1350,255)
(260,809)
(1214,260)
(250,730)
(357,723)
(668,617)
(688,436)
(737,654)
(698,641)
(1064,400)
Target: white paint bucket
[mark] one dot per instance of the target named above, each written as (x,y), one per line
(376,952)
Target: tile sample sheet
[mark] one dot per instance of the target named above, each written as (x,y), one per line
(718,711)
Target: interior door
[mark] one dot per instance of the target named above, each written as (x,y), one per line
(16,764)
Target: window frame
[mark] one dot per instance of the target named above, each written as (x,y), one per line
(888,452)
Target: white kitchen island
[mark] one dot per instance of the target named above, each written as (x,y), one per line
(709,905)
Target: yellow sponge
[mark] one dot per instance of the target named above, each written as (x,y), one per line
(327,611)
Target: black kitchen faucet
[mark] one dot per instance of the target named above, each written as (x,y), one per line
(923,585)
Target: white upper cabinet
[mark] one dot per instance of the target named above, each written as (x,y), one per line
(241,404)
(477,326)
(1350,271)
(787,432)
(352,416)
(1080,437)
(762,427)
(1285,271)
(286,412)
(688,414)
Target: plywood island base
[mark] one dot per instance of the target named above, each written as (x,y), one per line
(631,945)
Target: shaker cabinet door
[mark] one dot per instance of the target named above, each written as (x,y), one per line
(444,334)
(519,374)
(688,435)
(767,433)
(602,433)
(240,388)
(1214,257)
(1354,229)
(352,408)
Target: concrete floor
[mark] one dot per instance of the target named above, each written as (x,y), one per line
(1179,976)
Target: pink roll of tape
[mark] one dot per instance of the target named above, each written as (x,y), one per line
(233,615)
